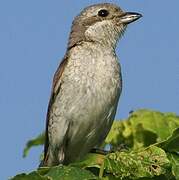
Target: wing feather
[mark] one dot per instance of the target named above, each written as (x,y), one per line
(55,89)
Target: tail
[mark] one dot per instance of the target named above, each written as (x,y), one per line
(51,160)
(41,164)
(44,162)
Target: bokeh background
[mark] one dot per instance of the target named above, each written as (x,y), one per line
(33,38)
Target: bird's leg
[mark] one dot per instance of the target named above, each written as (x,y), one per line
(121,147)
(99,151)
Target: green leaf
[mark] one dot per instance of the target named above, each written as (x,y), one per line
(172,143)
(90,160)
(120,133)
(174,159)
(32,176)
(162,177)
(143,128)
(152,125)
(56,173)
(148,162)
(152,121)
(33,142)
(70,173)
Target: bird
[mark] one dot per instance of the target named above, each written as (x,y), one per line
(86,85)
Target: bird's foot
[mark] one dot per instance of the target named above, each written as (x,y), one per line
(99,151)
(121,147)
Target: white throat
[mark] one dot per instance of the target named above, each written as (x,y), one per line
(105,32)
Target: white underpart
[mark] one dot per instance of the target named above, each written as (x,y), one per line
(84,109)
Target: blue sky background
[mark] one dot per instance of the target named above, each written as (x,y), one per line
(33,38)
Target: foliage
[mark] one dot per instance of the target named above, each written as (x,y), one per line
(144,146)
(39,140)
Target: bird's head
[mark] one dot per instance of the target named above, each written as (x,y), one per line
(102,23)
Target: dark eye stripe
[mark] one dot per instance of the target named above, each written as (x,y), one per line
(103,13)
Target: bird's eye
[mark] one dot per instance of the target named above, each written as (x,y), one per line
(103,13)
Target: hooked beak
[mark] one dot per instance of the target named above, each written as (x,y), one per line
(129,17)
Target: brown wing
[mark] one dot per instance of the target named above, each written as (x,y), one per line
(55,90)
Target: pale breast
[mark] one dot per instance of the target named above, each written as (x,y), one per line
(92,77)
(91,86)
